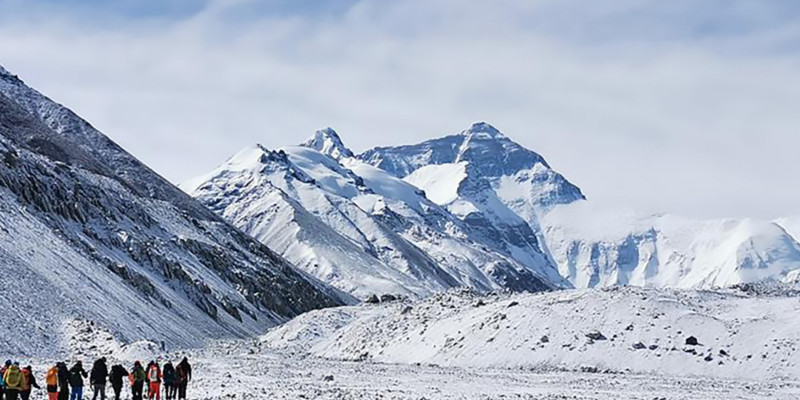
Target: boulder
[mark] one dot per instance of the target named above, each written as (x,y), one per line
(595,335)
(386,298)
(545,339)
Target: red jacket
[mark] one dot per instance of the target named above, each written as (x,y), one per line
(154,372)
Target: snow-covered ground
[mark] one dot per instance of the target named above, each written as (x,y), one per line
(277,375)
(617,330)
(620,343)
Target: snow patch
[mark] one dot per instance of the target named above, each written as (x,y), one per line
(440,182)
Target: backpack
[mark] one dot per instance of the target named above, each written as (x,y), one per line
(168,374)
(181,372)
(52,377)
(137,375)
(14,378)
(26,383)
(75,378)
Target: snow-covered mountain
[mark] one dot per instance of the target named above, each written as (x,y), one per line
(791,225)
(601,248)
(382,234)
(473,209)
(591,247)
(360,228)
(87,232)
(493,167)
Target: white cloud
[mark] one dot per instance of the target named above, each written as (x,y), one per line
(681,108)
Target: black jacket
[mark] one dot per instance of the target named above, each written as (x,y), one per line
(184,371)
(99,373)
(76,375)
(63,377)
(169,376)
(118,374)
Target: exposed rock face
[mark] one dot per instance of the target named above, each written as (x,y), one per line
(89,232)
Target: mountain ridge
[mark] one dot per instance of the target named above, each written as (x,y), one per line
(88,227)
(508,200)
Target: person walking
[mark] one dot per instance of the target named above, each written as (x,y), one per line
(170,381)
(51,382)
(117,375)
(184,374)
(76,376)
(63,381)
(154,379)
(147,379)
(29,384)
(98,378)
(3,370)
(137,378)
(14,381)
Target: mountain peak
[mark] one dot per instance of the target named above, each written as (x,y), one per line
(8,75)
(483,130)
(327,141)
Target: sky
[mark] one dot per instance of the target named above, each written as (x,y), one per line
(682,106)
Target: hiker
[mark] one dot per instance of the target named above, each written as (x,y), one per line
(3,370)
(170,381)
(14,381)
(30,383)
(118,373)
(137,378)
(76,376)
(154,379)
(2,381)
(184,373)
(147,379)
(63,381)
(98,378)
(51,380)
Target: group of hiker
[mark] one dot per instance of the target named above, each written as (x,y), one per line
(62,383)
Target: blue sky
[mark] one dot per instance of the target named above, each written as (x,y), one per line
(680,106)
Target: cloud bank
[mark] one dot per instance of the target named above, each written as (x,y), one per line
(680,106)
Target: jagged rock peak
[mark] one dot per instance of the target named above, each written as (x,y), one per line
(327,141)
(483,130)
(8,75)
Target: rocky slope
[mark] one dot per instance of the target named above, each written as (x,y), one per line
(89,233)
